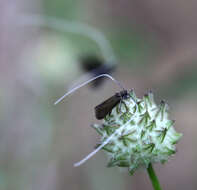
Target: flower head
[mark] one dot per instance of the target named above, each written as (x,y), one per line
(138,132)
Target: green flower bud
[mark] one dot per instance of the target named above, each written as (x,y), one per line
(138,132)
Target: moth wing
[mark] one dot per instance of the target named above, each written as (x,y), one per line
(105,107)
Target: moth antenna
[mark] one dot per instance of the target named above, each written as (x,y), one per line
(84,77)
(86,82)
(95,151)
(104,143)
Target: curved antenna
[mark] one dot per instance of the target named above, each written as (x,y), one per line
(76,82)
(85,83)
(106,141)
(97,149)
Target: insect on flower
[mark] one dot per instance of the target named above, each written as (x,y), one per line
(106,107)
(102,109)
(135,132)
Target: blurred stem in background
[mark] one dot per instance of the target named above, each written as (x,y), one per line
(92,67)
(72,27)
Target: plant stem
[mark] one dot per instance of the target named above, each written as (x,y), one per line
(153,178)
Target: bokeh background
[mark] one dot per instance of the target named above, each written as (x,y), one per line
(155,46)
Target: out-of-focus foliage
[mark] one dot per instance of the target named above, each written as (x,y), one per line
(155,46)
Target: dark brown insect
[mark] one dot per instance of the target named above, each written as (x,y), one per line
(106,107)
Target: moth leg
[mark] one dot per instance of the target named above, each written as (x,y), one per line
(119,106)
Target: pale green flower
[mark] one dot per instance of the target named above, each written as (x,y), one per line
(140,133)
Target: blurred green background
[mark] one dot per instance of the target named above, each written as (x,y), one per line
(155,46)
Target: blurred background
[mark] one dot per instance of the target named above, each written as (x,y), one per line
(151,44)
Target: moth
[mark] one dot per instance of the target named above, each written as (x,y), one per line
(106,107)
(101,110)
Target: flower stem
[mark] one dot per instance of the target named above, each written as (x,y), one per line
(153,178)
